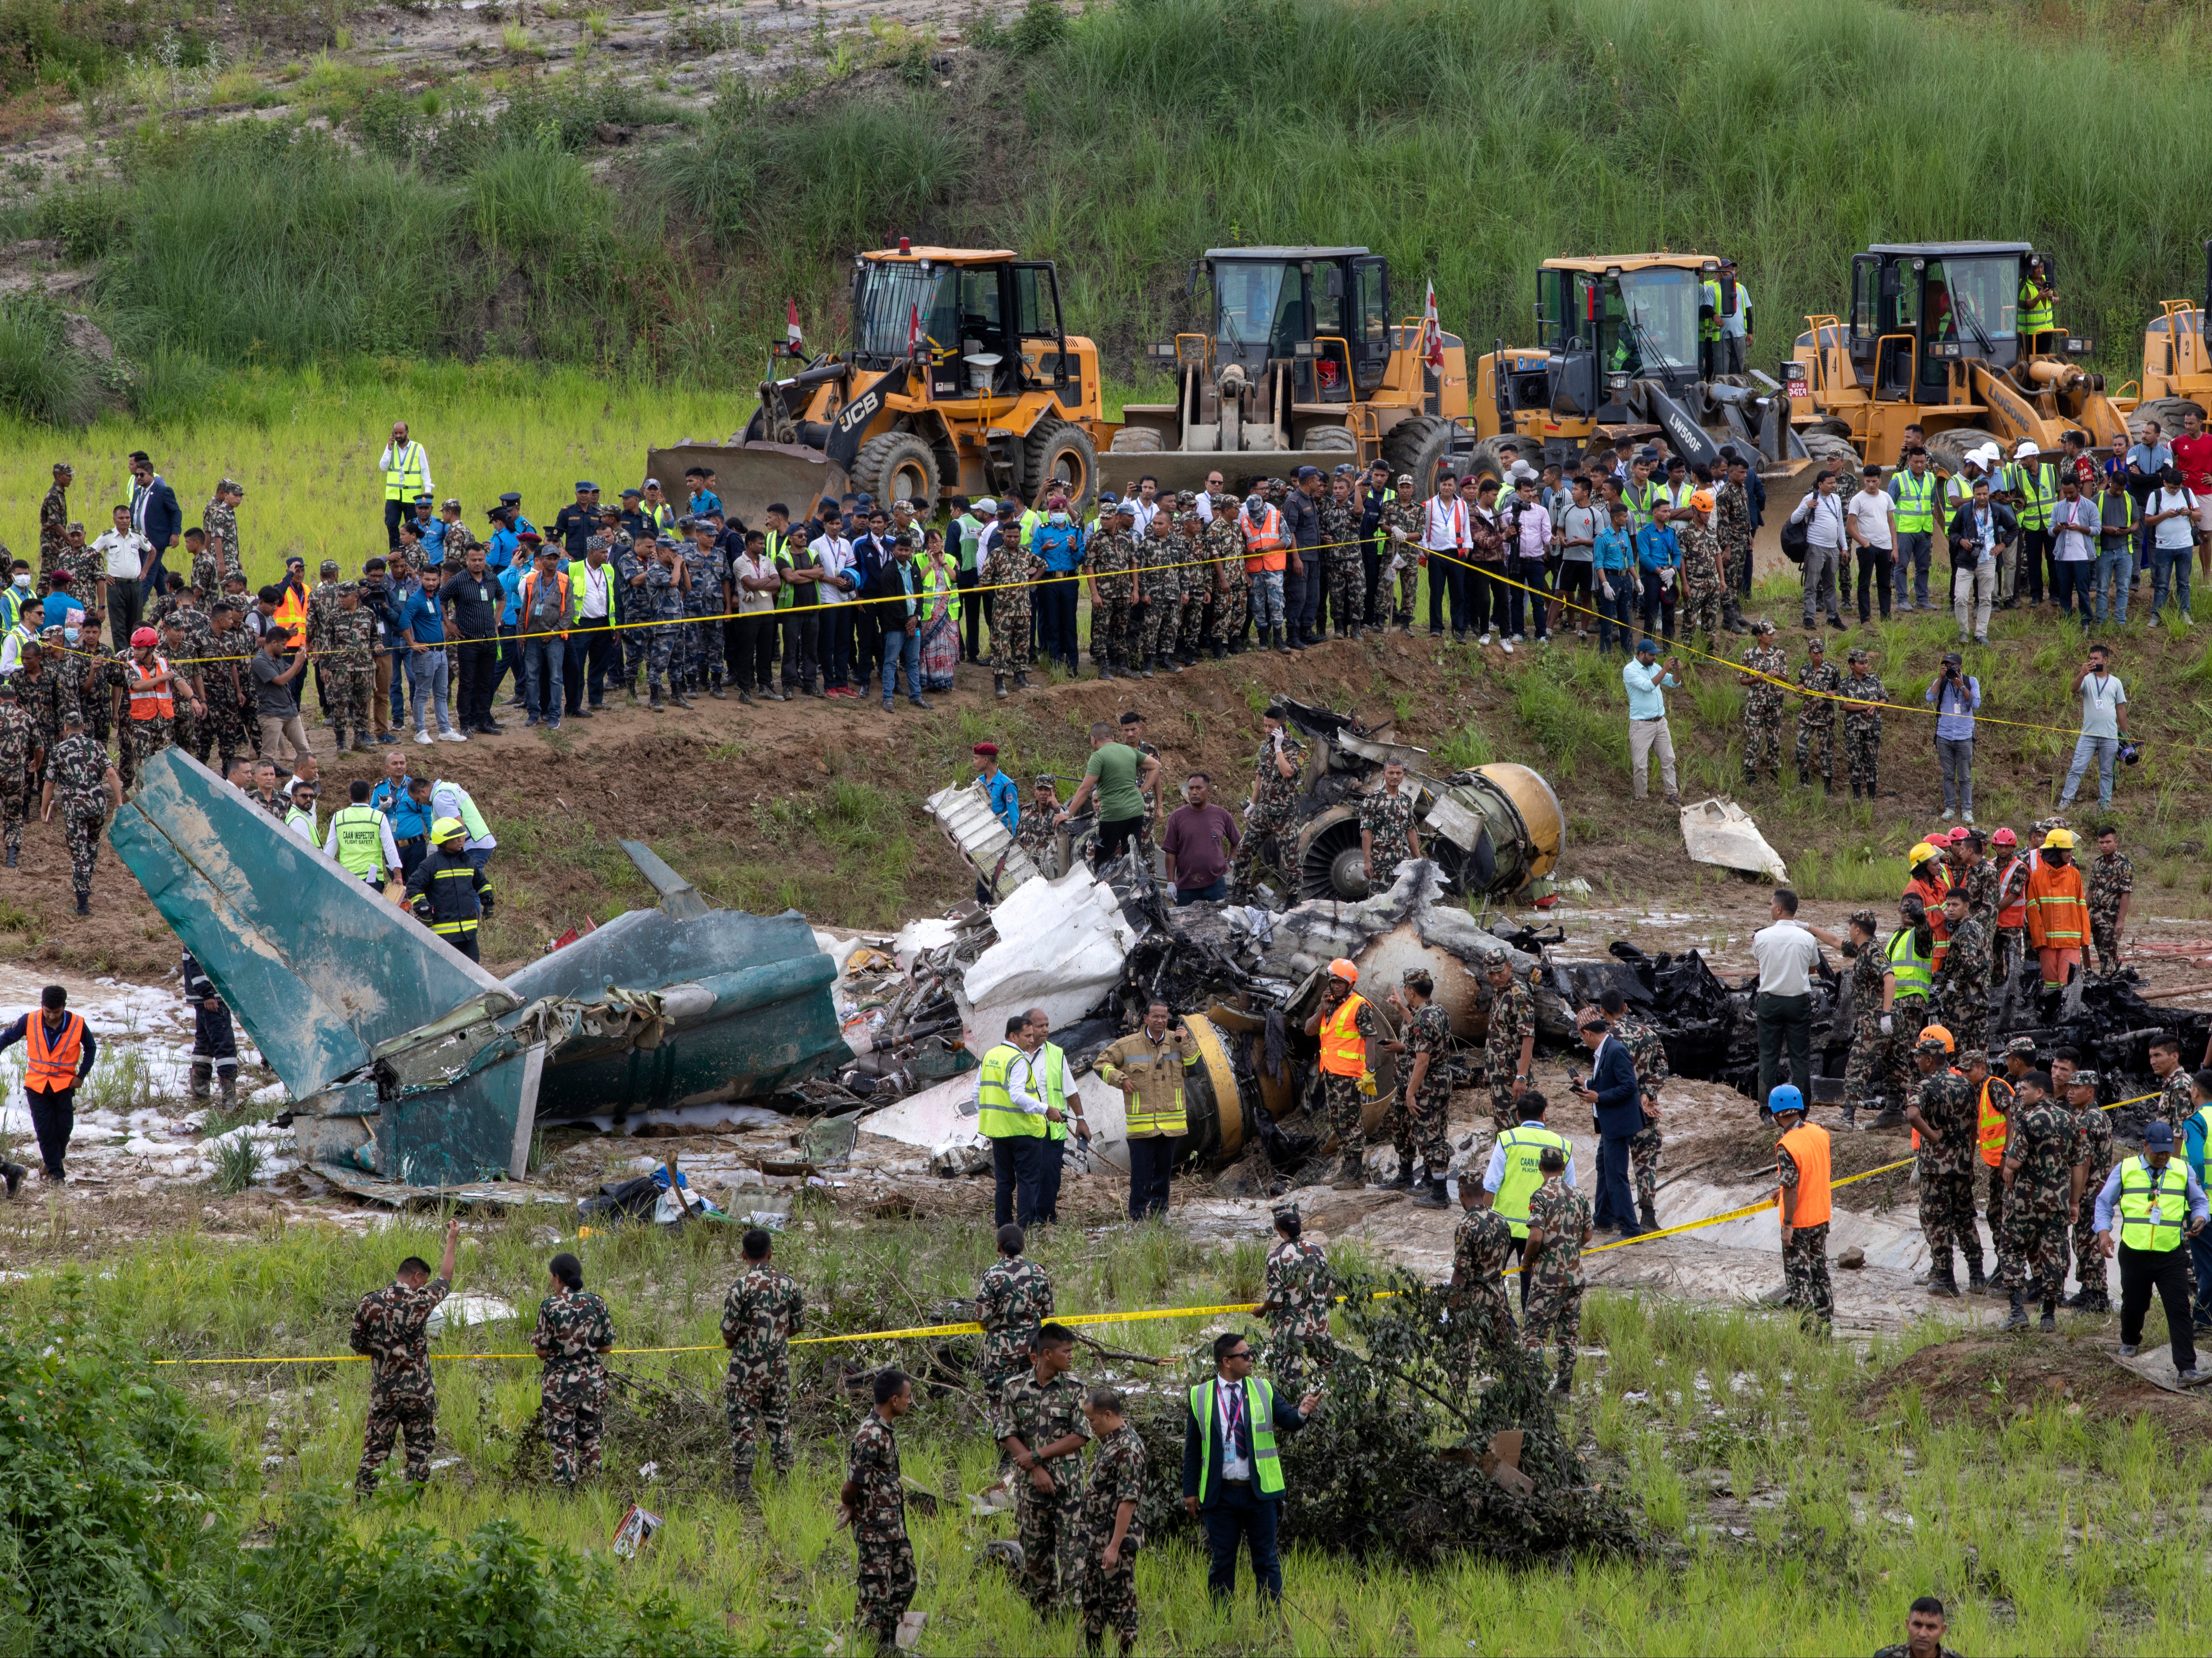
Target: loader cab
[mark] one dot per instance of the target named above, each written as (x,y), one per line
(1325,310)
(970,305)
(1606,323)
(1919,311)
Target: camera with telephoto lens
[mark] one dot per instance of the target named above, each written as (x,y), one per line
(2130,753)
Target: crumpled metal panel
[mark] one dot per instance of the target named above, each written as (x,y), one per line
(318,969)
(964,815)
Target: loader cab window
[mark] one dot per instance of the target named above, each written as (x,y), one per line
(1261,308)
(1651,322)
(886,295)
(1036,318)
(1973,299)
(1552,313)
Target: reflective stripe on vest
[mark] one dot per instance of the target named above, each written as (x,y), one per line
(1260,1411)
(1807,1147)
(1343,1049)
(1523,1146)
(154,704)
(2128,512)
(1915,973)
(2035,318)
(461,924)
(1994,1127)
(2037,490)
(1916,504)
(291,611)
(53,1054)
(2013,914)
(527,598)
(1173,1121)
(360,831)
(1049,1064)
(998,1117)
(2153,1205)
(1639,507)
(933,582)
(403,482)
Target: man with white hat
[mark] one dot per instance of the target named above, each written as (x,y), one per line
(2032,483)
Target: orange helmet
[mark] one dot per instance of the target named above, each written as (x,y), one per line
(1342,968)
(1935,1039)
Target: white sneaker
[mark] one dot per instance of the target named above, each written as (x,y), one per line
(1521,638)
(1965,817)
(1485,640)
(451,737)
(424,738)
(1947,815)
(1507,644)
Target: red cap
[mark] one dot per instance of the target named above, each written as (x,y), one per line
(145,638)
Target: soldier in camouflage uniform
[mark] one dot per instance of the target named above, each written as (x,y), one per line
(703,604)
(666,580)
(1868,1066)
(633,561)
(1962,984)
(873,1501)
(1805,1284)
(229,725)
(1344,1098)
(1648,1054)
(1420,1110)
(1762,703)
(1038,1422)
(1299,1291)
(389,1329)
(1345,557)
(322,605)
(1402,540)
(352,667)
(219,553)
(1108,557)
(1013,1299)
(1198,580)
(2111,878)
(573,1337)
(762,1313)
(1510,1044)
(1703,591)
(80,779)
(1225,546)
(19,759)
(1944,1112)
(1272,814)
(80,672)
(2093,1148)
(1161,555)
(1039,835)
(2042,1145)
(53,527)
(1007,573)
(1975,877)
(1388,827)
(1816,718)
(188,725)
(1863,726)
(1732,530)
(1107,1586)
(1480,1247)
(1558,1226)
(39,680)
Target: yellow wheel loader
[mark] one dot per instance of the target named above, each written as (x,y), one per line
(2177,363)
(960,379)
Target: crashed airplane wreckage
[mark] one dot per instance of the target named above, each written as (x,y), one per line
(409,1064)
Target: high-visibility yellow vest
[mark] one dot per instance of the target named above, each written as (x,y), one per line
(998,1119)
(2128,512)
(1260,1412)
(293,816)
(934,582)
(1915,503)
(360,831)
(2153,1205)
(471,819)
(1050,1066)
(403,480)
(1915,973)
(1640,502)
(1343,1049)
(2035,315)
(2035,488)
(1524,1148)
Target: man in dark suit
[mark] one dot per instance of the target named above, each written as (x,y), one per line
(1232,1477)
(156,515)
(1619,1105)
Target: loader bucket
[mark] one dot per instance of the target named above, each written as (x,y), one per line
(1186,469)
(751,476)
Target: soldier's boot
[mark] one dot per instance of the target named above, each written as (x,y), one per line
(1829,787)
(716,689)
(1940,1280)
(999,684)
(1145,661)
(1356,631)
(1220,651)
(1563,1382)
(1021,682)
(1431,1194)
(1104,661)
(653,691)
(202,1074)
(1351,1172)
(14,1174)
(1174,662)
(1976,1283)
(1855,788)
(630,690)
(2050,1320)
(1645,1215)
(1871,780)
(1850,1115)
(676,695)
(84,903)
(1403,1180)
(11,858)
(2017,1318)
(1804,778)
(1280,638)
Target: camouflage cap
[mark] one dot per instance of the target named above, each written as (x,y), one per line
(1186,498)
(1288,1212)
(1493,956)
(1763,625)
(349,589)
(1405,477)
(1816,643)
(64,466)
(1868,919)
(230,486)
(1857,653)
(2083,1079)
(2021,1048)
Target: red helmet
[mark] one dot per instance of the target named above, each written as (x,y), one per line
(2004,837)
(145,639)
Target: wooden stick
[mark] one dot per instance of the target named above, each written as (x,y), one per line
(2185,990)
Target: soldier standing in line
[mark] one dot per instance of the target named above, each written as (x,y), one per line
(2043,1197)
(1873,984)
(1732,527)
(78,775)
(1702,589)
(1801,1165)
(54,526)
(1962,985)
(1008,574)
(21,757)
(1160,557)
(1198,580)
(2111,878)
(351,677)
(573,1337)
(1388,835)
(1108,557)
(1419,1113)
(2093,1125)
(1764,666)
(2174,1106)
(1274,811)
(1943,1114)
(762,1313)
(322,605)
(1819,681)
(1509,1046)
(1299,1290)
(1863,724)
(1402,546)
(227,703)
(1481,1246)
(1225,546)
(1039,1424)
(634,562)
(1107,1521)
(1343,558)
(667,590)
(1558,1227)
(389,1330)
(873,1501)
(1013,1299)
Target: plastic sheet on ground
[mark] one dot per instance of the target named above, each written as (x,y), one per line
(457,1312)
(1721,832)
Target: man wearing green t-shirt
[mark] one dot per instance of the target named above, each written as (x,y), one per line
(1121,776)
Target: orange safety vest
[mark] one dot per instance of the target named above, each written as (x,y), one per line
(1807,1147)
(53,1057)
(1931,895)
(2057,916)
(1343,1049)
(154,704)
(1263,543)
(1995,1127)
(529,592)
(2013,914)
(291,610)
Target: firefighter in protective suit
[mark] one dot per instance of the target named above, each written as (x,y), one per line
(449,893)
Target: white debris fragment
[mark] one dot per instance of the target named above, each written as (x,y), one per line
(1722,833)
(462,1311)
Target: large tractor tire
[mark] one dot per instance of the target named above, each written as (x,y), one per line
(1948,450)
(1135,440)
(1420,446)
(1827,447)
(897,466)
(1485,462)
(1335,439)
(1060,451)
(2166,412)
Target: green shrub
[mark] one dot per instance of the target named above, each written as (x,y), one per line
(40,378)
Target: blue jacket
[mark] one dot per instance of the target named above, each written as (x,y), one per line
(1059,545)
(1005,796)
(1657,548)
(1620,1107)
(409,821)
(1613,550)
(160,520)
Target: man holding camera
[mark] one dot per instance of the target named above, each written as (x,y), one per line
(2104,726)
(1956,696)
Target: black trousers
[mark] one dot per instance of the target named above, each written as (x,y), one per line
(1114,835)
(1240,1516)
(509,662)
(53,1116)
(1151,1160)
(1055,1165)
(472,698)
(802,648)
(1784,1021)
(752,652)
(591,647)
(2141,1271)
(971,614)
(1875,568)
(393,512)
(1018,1165)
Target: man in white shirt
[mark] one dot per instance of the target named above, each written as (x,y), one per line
(404,468)
(832,554)
(1147,508)
(2104,726)
(123,555)
(1822,514)
(2074,526)
(1444,526)
(2169,516)
(1867,521)
(1788,957)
